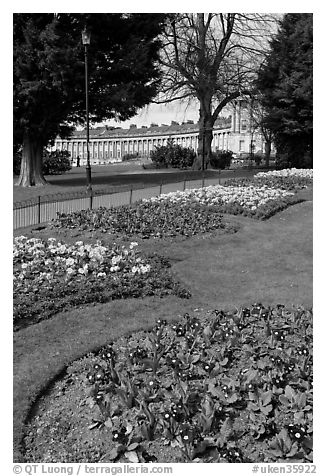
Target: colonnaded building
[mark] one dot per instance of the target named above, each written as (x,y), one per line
(110,144)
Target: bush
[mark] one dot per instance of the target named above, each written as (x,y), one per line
(258,158)
(282,161)
(221,159)
(55,163)
(127,157)
(173,155)
(294,159)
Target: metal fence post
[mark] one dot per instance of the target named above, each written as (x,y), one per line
(91,200)
(161,185)
(130,199)
(39,209)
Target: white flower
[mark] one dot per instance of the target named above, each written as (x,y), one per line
(145,268)
(113,269)
(116,259)
(101,275)
(70,262)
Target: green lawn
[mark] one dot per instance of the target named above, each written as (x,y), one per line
(114,176)
(268,261)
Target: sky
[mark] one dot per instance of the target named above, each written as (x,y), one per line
(161,114)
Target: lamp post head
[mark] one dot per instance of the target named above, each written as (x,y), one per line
(86,36)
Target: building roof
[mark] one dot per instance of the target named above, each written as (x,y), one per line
(104,132)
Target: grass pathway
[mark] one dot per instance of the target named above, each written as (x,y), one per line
(269,261)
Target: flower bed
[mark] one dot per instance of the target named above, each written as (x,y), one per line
(146,219)
(294,173)
(50,276)
(186,213)
(214,387)
(286,179)
(250,200)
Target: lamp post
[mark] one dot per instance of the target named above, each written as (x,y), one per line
(86,39)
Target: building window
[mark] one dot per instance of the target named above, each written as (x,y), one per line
(243,125)
(241,146)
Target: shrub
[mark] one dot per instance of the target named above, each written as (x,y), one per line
(54,163)
(57,162)
(282,161)
(258,158)
(127,157)
(173,155)
(221,159)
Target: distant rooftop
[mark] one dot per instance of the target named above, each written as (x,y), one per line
(154,129)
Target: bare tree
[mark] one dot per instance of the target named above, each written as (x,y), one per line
(213,58)
(258,124)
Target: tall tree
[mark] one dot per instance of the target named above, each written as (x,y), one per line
(49,78)
(257,116)
(285,82)
(214,59)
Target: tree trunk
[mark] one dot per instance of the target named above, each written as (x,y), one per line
(268,147)
(31,164)
(205,138)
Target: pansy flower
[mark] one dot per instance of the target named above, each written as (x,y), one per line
(290,366)
(232,455)
(302,350)
(255,311)
(108,353)
(180,330)
(278,334)
(148,458)
(120,436)
(208,366)
(99,375)
(278,381)
(90,377)
(187,433)
(174,361)
(297,432)
(277,361)
(161,322)
(246,312)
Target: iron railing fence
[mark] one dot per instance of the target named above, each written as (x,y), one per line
(43,209)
